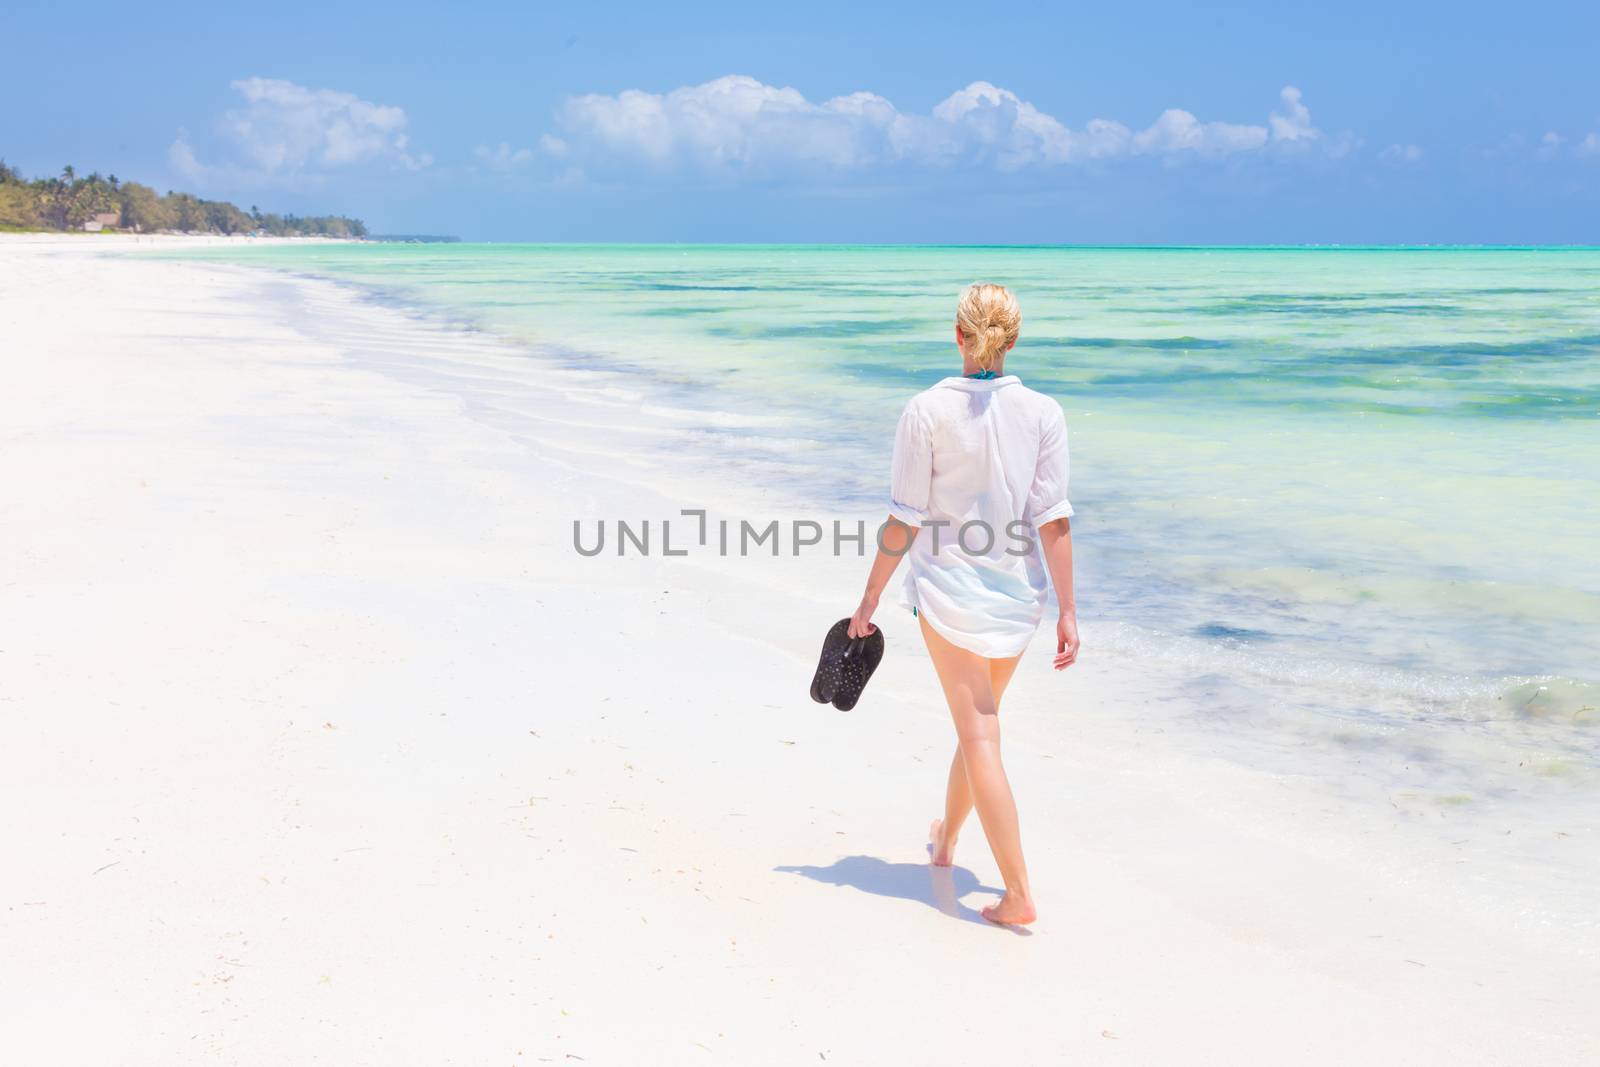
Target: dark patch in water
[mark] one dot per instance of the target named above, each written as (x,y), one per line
(677,312)
(1463,351)
(1232,633)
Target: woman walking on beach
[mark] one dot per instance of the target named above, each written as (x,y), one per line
(978,496)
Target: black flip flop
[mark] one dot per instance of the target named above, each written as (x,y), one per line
(845,666)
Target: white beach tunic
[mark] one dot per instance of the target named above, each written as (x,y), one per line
(995,452)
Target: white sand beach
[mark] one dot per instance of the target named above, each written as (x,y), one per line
(322,745)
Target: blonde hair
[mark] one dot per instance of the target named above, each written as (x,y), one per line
(990,320)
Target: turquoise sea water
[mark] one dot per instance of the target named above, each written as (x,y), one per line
(1360,484)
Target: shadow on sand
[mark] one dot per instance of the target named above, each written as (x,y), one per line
(938,887)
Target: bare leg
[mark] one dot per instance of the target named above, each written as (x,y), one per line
(958,795)
(957,805)
(969,690)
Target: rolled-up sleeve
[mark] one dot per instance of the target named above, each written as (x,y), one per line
(1047,501)
(911,475)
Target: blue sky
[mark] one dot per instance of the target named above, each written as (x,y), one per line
(1152,123)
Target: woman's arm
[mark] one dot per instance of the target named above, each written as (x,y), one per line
(1056,539)
(892,545)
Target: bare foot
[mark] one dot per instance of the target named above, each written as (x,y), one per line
(1011,911)
(940,851)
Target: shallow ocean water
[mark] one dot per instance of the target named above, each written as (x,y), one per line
(1354,491)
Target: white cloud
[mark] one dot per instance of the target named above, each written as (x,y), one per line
(1293,123)
(985,122)
(182,158)
(738,126)
(731,123)
(502,156)
(1553,146)
(1549,147)
(1179,131)
(287,130)
(1401,154)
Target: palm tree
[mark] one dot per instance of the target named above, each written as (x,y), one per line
(68,173)
(52,201)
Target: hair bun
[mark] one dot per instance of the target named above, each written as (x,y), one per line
(990,320)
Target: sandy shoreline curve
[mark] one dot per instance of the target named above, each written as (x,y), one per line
(322,745)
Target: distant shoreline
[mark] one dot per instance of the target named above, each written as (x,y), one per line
(121,239)
(173,236)
(95,203)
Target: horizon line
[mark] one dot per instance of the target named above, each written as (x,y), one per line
(1043,246)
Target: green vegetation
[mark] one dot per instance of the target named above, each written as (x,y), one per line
(69,202)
